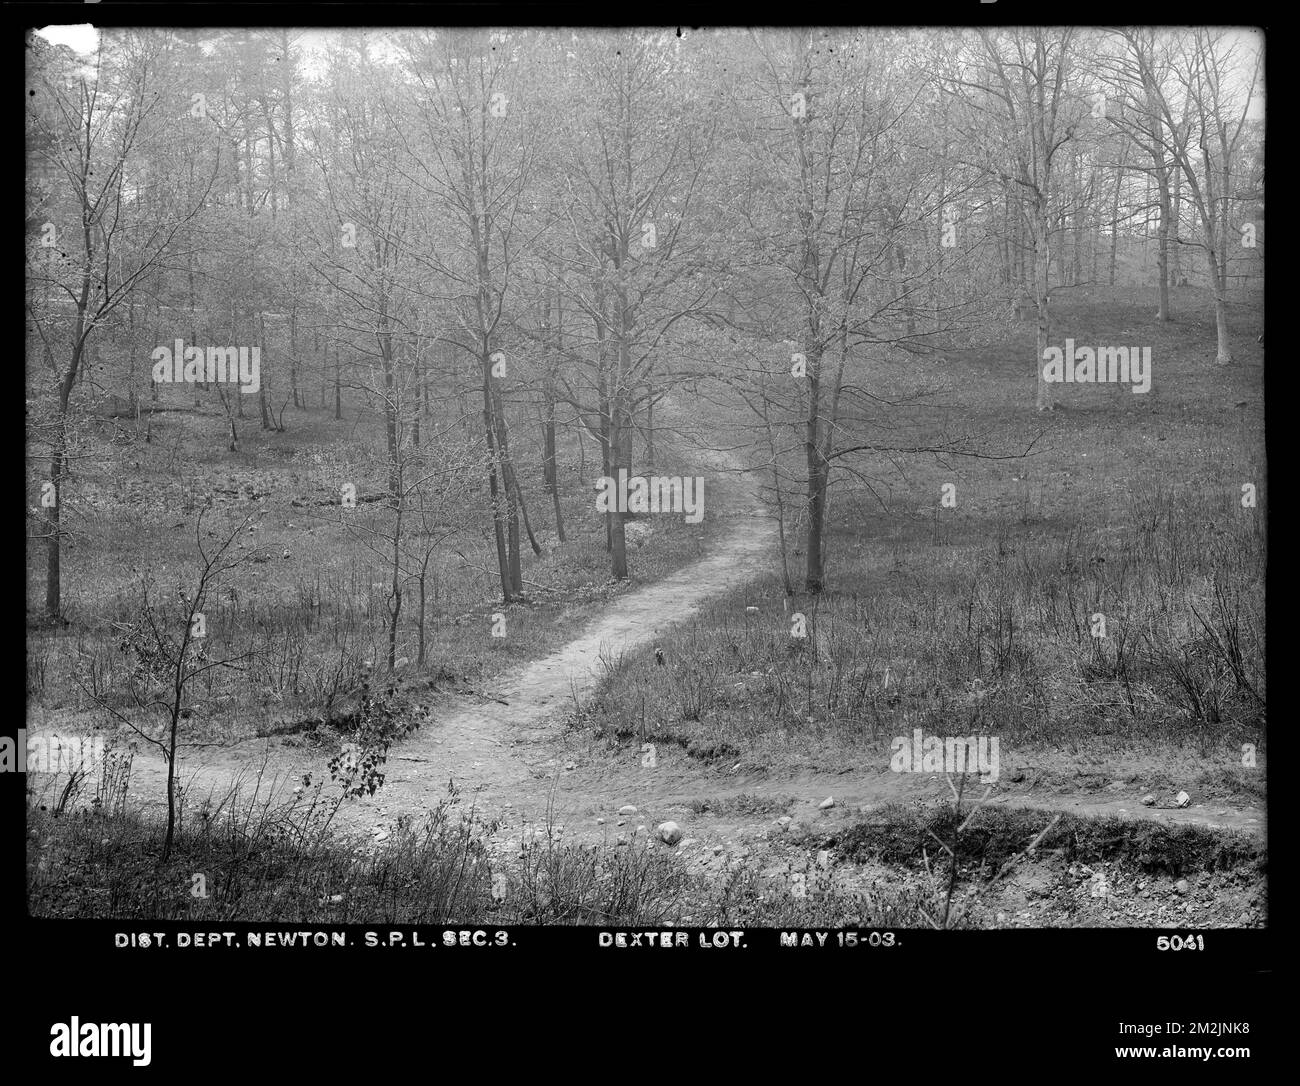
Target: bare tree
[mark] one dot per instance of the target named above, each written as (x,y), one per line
(1202,72)
(168,645)
(93,125)
(1020,111)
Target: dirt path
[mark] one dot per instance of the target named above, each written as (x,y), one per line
(516,764)
(505,754)
(513,754)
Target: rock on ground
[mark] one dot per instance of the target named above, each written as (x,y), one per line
(670,833)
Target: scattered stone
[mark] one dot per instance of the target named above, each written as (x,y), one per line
(670,833)
(751,610)
(640,829)
(627,810)
(622,840)
(785,821)
(621,823)
(824,858)
(1182,799)
(600,822)
(779,827)
(717,850)
(570,765)
(1182,886)
(827,803)
(1148,800)
(382,835)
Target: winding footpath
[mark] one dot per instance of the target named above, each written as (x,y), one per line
(515,764)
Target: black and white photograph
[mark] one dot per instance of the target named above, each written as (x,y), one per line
(712,489)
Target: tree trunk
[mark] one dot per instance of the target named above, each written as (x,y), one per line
(1162,247)
(780,500)
(523,512)
(171,797)
(494,488)
(617,535)
(59,460)
(1175,215)
(338,382)
(392,419)
(1219,282)
(53,537)
(1077,221)
(650,431)
(1114,215)
(178,696)
(293,356)
(814,575)
(550,470)
(511,488)
(1042,261)
(423,610)
(419,388)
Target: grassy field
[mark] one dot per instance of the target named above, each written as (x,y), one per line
(310,603)
(979,618)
